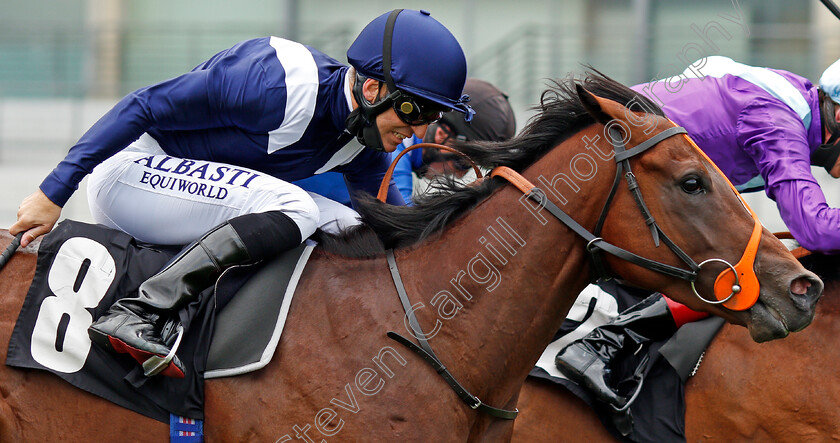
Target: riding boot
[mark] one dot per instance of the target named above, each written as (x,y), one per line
(587,360)
(133,325)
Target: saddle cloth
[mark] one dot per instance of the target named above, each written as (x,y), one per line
(82,269)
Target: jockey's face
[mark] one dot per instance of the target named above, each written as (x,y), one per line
(391,128)
(443,163)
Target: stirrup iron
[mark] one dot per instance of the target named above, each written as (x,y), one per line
(638,375)
(155,364)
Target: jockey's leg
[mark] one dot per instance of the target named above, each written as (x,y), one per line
(587,360)
(133,325)
(254,217)
(334,216)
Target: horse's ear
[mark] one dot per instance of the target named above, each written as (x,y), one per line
(592,104)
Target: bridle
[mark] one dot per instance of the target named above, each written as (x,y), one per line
(736,287)
(741,282)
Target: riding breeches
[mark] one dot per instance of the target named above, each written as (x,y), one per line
(160,199)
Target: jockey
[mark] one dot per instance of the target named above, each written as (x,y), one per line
(494,121)
(207,157)
(764,128)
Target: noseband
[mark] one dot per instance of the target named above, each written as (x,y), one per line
(736,287)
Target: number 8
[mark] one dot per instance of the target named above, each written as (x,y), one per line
(79,277)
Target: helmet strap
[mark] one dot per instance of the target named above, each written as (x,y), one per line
(362,121)
(386,49)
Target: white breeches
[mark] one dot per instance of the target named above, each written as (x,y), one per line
(165,200)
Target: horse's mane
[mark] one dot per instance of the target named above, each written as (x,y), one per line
(560,114)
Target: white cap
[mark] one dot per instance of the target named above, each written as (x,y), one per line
(830,81)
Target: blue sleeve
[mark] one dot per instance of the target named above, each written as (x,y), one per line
(404,179)
(329,184)
(227,94)
(365,174)
(403,171)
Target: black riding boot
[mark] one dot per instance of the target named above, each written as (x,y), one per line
(133,325)
(587,361)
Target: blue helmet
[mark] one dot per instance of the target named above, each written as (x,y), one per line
(425,59)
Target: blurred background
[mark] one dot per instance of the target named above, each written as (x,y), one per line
(65,63)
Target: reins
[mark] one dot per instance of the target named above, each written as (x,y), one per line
(10,250)
(798,252)
(424,350)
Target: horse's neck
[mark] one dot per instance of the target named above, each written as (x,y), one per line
(497,284)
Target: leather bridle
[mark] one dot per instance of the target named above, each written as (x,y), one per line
(736,287)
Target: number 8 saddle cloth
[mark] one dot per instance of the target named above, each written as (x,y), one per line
(82,269)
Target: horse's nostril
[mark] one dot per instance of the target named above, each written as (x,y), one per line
(816,289)
(800,286)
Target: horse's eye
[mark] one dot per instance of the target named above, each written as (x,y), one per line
(692,185)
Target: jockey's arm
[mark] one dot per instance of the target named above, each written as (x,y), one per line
(775,137)
(403,172)
(803,208)
(394,197)
(195,100)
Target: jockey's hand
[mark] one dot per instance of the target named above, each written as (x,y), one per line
(36,216)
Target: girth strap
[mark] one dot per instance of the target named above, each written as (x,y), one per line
(425,351)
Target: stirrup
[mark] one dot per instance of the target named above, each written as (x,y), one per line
(637,374)
(155,364)
(631,399)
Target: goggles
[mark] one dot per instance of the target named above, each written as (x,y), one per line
(413,111)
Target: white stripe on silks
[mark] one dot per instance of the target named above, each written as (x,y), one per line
(301,92)
(772,82)
(756,182)
(343,156)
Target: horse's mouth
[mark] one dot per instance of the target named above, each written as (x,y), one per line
(766,323)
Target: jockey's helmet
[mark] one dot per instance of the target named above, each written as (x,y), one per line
(830,81)
(494,121)
(494,118)
(421,63)
(828,153)
(424,59)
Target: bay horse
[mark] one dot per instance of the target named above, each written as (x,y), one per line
(490,277)
(781,391)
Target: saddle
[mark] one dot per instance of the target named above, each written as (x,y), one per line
(249,324)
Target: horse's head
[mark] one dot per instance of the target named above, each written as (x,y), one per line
(692,207)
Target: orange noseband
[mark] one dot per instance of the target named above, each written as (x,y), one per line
(736,287)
